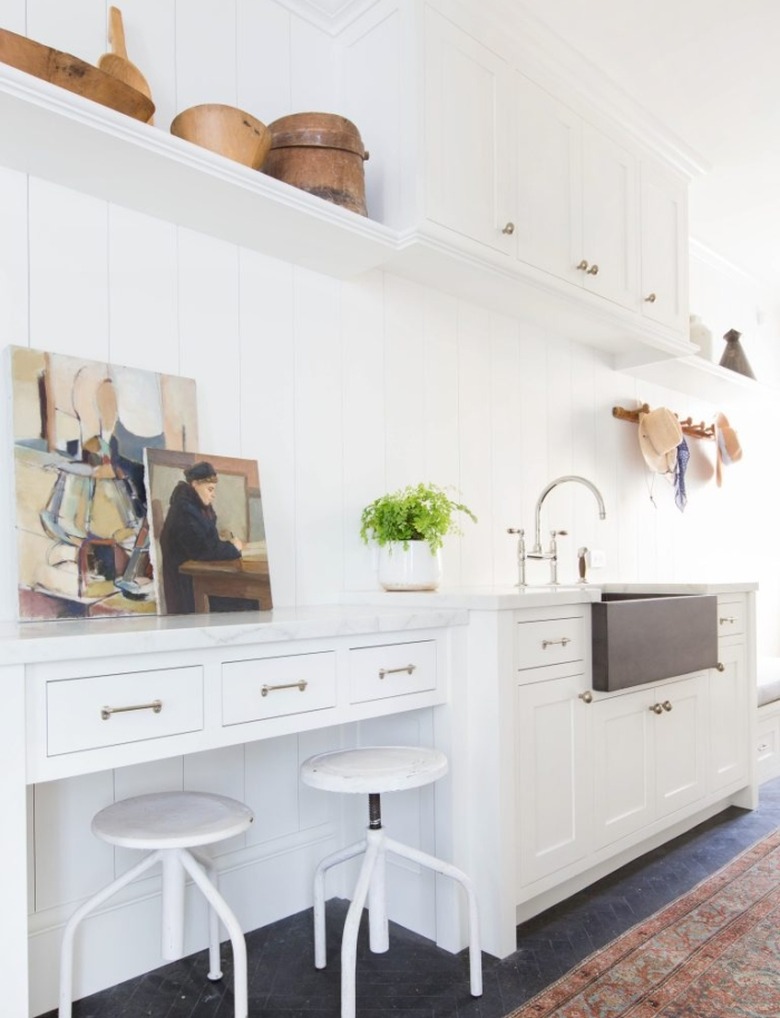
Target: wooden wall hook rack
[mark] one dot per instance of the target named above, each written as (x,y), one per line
(700,430)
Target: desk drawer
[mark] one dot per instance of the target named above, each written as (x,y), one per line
(108,710)
(549,642)
(272,687)
(394,669)
(731,617)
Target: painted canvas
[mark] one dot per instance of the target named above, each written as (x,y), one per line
(79,431)
(208,546)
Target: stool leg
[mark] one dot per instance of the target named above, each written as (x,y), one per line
(232,925)
(374,845)
(215,961)
(448,870)
(66,951)
(319,896)
(378,931)
(173,881)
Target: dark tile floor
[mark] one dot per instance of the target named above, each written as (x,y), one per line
(418,979)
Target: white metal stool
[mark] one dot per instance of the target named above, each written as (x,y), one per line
(173,825)
(374,770)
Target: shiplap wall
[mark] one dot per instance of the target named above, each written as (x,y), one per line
(340,391)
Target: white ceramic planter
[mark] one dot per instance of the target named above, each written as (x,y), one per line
(415,567)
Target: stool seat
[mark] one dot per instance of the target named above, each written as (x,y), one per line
(374,769)
(171,820)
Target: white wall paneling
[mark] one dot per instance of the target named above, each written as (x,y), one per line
(318,439)
(312,69)
(205,52)
(68,245)
(267,396)
(142,292)
(263,59)
(209,337)
(77,28)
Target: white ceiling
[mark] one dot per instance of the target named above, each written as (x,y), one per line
(710,71)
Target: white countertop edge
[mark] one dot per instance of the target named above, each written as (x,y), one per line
(29,642)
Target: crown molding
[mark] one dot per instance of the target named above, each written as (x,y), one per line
(331,16)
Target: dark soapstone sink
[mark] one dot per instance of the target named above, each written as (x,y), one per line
(638,638)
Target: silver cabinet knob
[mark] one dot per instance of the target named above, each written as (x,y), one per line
(667,705)
(593,270)
(656,708)
(651,298)
(586,697)
(509,229)
(583,266)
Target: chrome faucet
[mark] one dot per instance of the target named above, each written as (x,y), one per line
(552,554)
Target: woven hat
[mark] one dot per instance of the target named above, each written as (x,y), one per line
(659,435)
(727,445)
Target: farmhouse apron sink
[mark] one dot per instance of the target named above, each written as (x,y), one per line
(638,638)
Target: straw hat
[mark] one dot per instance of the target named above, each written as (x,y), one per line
(727,443)
(659,435)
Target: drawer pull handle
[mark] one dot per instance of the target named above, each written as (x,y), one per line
(393,671)
(727,618)
(551,643)
(155,705)
(586,697)
(300,684)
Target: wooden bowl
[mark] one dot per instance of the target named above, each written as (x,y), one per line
(224,129)
(75,75)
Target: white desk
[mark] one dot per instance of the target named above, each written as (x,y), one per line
(216,681)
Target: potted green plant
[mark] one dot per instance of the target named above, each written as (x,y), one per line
(410,525)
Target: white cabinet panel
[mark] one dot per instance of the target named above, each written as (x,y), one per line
(664,259)
(554,787)
(609,218)
(549,182)
(728,718)
(466,133)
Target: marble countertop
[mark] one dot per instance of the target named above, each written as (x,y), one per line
(360,613)
(28,642)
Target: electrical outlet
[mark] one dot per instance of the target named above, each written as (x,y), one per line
(597,558)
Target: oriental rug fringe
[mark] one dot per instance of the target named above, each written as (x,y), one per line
(712,953)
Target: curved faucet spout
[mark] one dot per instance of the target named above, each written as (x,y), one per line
(537,549)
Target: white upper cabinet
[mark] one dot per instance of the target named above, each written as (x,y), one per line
(466,145)
(576,198)
(664,255)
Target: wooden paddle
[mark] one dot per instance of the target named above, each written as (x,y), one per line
(116,63)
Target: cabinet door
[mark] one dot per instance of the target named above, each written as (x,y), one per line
(664,263)
(623,773)
(609,218)
(679,743)
(553,776)
(729,749)
(467,87)
(549,182)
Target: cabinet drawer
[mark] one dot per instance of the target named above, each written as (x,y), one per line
(731,617)
(394,669)
(549,642)
(275,686)
(107,710)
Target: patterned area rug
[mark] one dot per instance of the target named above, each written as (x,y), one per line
(713,953)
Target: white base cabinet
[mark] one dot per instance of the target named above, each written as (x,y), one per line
(570,783)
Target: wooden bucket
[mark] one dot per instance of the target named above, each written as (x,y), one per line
(321,153)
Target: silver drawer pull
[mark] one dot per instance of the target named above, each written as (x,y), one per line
(300,684)
(551,643)
(727,618)
(394,671)
(586,697)
(155,705)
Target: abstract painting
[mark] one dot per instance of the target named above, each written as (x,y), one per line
(208,545)
(79,431)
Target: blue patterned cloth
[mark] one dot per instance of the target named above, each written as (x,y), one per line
(680,494)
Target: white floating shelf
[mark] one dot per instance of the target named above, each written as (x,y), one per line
(697,376)
(70,140)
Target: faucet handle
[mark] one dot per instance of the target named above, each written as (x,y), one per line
(558,533)
(515,530)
